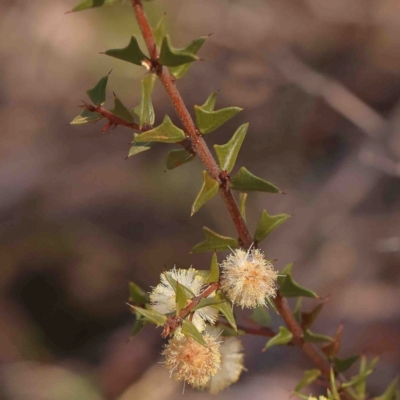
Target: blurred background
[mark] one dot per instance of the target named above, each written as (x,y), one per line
(319,81)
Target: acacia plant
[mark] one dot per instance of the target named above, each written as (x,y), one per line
(195,307)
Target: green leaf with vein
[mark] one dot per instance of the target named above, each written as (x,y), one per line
(215,242)
(262,317)
(138,148)
(209,121)
(284,336)
(86,4)
(289,288)
(308,378)
(192,48)
(208,190)
(210,301)
(86,117)
(151,315)
(137,295)
(311,337)
(392,392)
(245,181)
(189,329)
(174,284)
(214,270)
(130,53)
(181,299)
(167,132)
(121,111)
(227,153)
(159,32)
(267,224)
(210,102)
(98,94)
(178,157)
(225,308)
(145,110)
(171,57)
(343,364)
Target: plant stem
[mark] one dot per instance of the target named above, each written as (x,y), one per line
(202,150)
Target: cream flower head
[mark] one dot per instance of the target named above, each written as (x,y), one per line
(248,278)
(189,361)
(163,297)
(231,362)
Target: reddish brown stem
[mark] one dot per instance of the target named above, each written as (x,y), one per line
(214,171)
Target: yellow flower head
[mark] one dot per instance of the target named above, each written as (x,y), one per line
(189,361)
(248,278)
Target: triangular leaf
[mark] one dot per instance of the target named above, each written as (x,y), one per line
(151,315)
(310,337)
(227,153)
(215,242)
(308,318)
(189,329)
(214,270)
(192,48)
(98,93)
(308,378)
(145,109)
(267,224)
(209,121)
(139,148)
(86,117)
(130,53)
(174,284)
(121,111)
(289,288)
(159,32)
(225,308)
(242,204)
(167,132)
(245,181)
(262,317)
(86,4)
(178,157)
(331,350)
(342,365)
(181,299)
(137,295)
(210,102)
(390,392)
(284,336)
(208,190)
(171,57)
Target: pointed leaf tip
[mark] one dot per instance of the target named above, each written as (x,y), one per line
(167,132)
(227,153)
(284,336)
(208,190)
(171,57)
(121,111)
(189,329)
(86,117)
(131,53)
(209,121)
(214,270)
(215,242)
(267,224)
(245,181)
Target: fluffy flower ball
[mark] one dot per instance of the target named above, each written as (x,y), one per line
(231,363)
(163,297)
(189,361)
(248,278)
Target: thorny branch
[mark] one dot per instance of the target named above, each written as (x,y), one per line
(202,150)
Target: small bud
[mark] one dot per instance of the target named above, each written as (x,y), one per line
(189,361)
(248,278)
